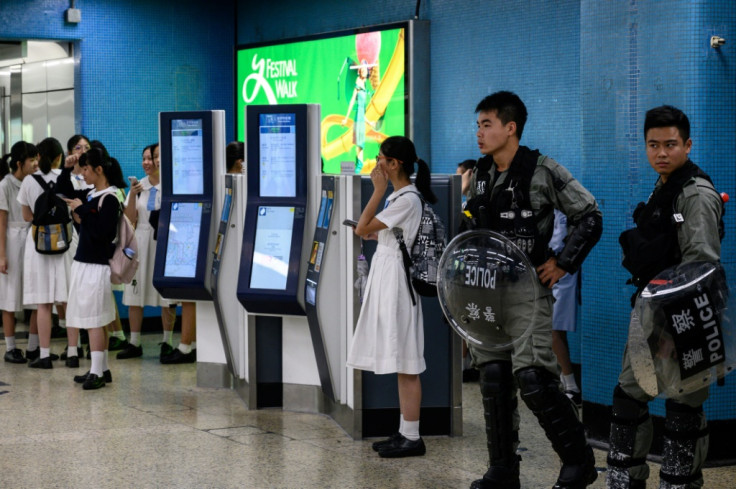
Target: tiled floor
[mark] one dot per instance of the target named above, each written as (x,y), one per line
(152,427)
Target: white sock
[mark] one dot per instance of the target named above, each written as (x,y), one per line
(411,430)
(168,337)
(401,424)
(45,352)
(568,382)
(10,343)
(62,323)
(104,360)
(32,342)
(120,334)
(71,351)
(97,360)
(184,348)
(135,339)
(194,345)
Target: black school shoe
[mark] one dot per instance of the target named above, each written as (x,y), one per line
(15,356)
(130,351)
(93,382)
(72,362)
(44,363)
(115,343)
(377,445)
(403,447)
(34,354)
(80,379)
(178,357)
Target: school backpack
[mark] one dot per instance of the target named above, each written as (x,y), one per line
(51,226)
(421,265)
(124,261)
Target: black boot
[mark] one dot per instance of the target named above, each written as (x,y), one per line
(685,444)
(630,426)
(499,404)
(556,414)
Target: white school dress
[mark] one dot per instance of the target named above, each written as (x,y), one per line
(11,284)
(79,184)
(91,302)
(389,336)
(45,279)
(140,292)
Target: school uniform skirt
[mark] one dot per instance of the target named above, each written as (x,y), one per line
(90,302)
(44,276)
(141,292)
(389,336)
(11,284)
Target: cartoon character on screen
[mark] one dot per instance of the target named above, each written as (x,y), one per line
(367,47)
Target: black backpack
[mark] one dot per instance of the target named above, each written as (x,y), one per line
(421,266)
(52,226)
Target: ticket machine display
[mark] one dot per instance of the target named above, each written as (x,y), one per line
(192,146)
(281,149)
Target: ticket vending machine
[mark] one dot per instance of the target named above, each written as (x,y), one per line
(283,163)
(192,149)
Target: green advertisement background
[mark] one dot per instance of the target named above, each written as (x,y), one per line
(318,65)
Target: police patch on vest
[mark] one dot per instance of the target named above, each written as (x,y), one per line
(695,328)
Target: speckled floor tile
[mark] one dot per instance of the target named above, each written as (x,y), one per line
(153,428)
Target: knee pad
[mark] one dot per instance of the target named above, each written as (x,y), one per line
(496,378)
(537,385)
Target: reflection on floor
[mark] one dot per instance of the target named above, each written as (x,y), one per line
(152,427)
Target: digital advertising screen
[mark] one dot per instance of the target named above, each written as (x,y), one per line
(187,156)
(183,240)
(272,247)
(277,149)
(358,80)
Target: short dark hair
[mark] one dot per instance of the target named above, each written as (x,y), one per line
(234,151)
(466,165)
(667,116)
(508,107)
(74,140)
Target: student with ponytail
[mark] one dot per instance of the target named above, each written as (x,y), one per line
(389,336)
(95,212)
(44,276)
(14,167)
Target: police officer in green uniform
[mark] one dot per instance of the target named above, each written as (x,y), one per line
(680,223)
(514,191)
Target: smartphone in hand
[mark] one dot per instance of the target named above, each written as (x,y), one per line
(350,222)
(132,180)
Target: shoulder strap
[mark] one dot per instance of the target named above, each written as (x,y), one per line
(44,185)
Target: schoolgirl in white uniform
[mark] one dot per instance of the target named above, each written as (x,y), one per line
(389,336)
(96,213)
(143,198)
(44,276)
(14,167)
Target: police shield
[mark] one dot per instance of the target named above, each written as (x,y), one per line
(487,289)
(681,335)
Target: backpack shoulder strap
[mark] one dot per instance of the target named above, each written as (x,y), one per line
(44,185)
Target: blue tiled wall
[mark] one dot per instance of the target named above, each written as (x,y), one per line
(137,58)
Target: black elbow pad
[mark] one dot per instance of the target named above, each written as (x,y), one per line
(581,240)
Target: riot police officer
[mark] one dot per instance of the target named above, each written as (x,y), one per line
(513,191)
(679,223)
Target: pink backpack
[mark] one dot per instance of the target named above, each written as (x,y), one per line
(124,261)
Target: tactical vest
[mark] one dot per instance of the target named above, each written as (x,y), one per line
(509,210)
(652,245)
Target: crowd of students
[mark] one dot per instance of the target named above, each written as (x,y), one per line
(77,282)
